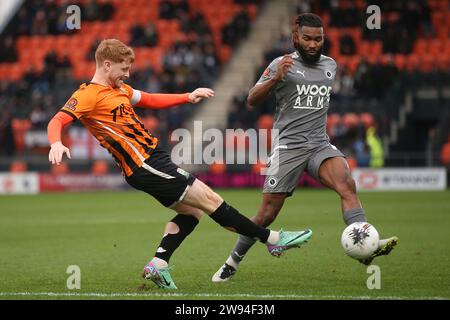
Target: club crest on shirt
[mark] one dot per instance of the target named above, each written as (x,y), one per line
(71,104)
(329,74)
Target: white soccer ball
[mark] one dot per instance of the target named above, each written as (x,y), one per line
(360,240)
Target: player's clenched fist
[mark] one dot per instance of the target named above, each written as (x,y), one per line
(283,67)
(57,150)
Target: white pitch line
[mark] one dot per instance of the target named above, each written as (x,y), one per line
(217,295)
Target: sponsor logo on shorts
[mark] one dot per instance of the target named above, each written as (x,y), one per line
(272,182)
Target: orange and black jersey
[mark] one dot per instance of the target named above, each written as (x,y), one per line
(109,115)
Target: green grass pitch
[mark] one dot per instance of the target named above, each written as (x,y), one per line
(111,235)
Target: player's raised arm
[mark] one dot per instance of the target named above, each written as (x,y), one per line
(54,129)
(269,80)
(166,100)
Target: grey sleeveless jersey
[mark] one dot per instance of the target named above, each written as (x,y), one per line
(303,99)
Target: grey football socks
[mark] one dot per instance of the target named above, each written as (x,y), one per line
(354,215)
(243,244)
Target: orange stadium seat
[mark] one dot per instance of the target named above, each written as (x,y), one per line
(443,61)
(353,63)
(445,153)
(217,168)
(413,62)
(100,167)
(20,128)
(332,120)
(150,123)
(364,49)
(400,61)
(351,120)
(333,35)
(252,11)
(427,63)
(420,46)
(435,47)
(265,122)
(258,167)
(352,163)
(22,43)
(376,47)
(367,119)
(18,167)
(15,72)
(225,53)
(3,71)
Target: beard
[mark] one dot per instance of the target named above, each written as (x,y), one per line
(308,58)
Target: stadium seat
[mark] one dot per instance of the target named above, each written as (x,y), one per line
(435,47)
(18,166)
(413,62)
(252,11)
(20,128)
(400,61)
(427,63)
(258,167)
(367,119)
(445,153)
(217,168)
(352,164)
(265,121)
(352,63)
(421,47)
(351,120)
(225,53)
(150,123)
(100,167)
(332,120)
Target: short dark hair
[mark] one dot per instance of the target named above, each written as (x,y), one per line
(309,20)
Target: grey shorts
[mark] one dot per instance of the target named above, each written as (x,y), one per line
(286,166)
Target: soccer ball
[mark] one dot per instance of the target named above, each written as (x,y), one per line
(360,240)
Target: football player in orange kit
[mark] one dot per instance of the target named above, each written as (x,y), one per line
(105,106)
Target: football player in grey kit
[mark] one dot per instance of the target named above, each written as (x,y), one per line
(301,82)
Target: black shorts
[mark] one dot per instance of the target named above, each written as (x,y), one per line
(161,178)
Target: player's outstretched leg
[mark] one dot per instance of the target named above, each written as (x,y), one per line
(385,247)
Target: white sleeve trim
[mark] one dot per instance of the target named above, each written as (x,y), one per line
(136,97)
